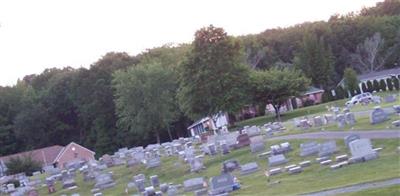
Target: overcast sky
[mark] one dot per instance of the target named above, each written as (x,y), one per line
(35,35)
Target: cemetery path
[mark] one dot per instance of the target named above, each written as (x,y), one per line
(377,134)
(357,187)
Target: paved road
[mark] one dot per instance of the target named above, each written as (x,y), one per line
(379,134)
(357,187)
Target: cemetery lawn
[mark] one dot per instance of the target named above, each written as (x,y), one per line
(314,110)
(390,190)
(313,178)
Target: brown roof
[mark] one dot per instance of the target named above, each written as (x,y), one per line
(45,155)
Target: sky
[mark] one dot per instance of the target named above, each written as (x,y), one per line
(40,34)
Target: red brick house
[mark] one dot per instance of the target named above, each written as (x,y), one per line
(55,155)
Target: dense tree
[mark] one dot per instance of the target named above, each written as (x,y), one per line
(376,85)
(22,165)
(316,60)
(213,78)
(364,87)
(370,86)
(382,85)
(389,83)
(276,86)
(396,83)
(350,80)
(145,99)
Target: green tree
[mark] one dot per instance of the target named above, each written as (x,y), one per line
(370,86)
(376,85)
(350,80)
(145,99)
(396,83)
(22,165)
(340,93)
(382,85)
(315,59)
(213,78)
(364,87)
(389,82)
(276,86)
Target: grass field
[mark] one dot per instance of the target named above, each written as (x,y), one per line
(314,178)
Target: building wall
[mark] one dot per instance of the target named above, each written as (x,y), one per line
(74,152)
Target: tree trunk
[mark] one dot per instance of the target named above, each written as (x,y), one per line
(169,133)
(277,112)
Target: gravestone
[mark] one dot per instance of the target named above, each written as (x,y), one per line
(221,184)
(253,131)
(378,115)
(132,162)
(350,138)
(304,124)
(318,121)
(140,185)
(397,108)
(277,160)
(242,140)
(230,166)
(257,144)
(350,118)
(281,148)
(341,121)
(153,162)
(104,181)
(361,150)
(67,183)
(149,191)
(329,118)
(396,123)
(155,182)
(309,148)
(224,148)
(212,149)
(327,148)
(248,168)
(274,171)
(164,187)
(193,184)
(390,99)
(197,164)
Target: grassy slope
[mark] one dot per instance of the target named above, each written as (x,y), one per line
(313,178)
(314,110)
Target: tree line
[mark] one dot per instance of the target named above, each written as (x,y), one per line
(123,100)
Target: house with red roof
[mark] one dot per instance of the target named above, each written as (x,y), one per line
(56,155)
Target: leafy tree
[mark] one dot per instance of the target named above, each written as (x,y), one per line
(364,87)
(213,78)
(350,80)
(276,86)
(389,83)
(340,93)
(370,86)
(396,83)
(22,165)
(145,99)
(376,85)
(316,60)
(382,85)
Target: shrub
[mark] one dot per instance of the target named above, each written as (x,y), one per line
(396,83)
(22,165)
(370,86)
(376,85)
(327,96)
(382,85)
(309,102)
(340,94)
(389,83)
(364,87)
